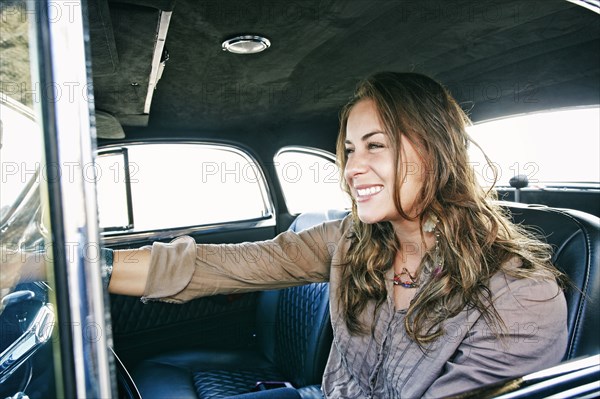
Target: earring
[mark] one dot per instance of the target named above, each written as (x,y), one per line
(437,257)
(430,223)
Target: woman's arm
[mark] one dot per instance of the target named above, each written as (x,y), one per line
(163,271)
(130,271)
(129,275)
(181,270)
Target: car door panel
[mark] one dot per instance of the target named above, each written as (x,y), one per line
(221,321)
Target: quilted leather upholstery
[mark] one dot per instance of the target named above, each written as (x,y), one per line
(158,314)
(300,313)
(141,330)
(209,384)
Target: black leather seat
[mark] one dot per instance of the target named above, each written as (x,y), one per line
(294,338)
(575,237)
(294,330)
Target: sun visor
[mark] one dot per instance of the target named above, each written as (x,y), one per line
(108,126)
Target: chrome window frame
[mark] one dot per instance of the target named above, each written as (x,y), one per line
(268,220)
(307,150)
(61,56)
(127,182)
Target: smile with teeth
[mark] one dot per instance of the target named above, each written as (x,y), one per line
(364,193)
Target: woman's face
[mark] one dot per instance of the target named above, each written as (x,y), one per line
(370,167)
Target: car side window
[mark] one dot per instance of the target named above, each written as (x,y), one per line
(157,186)
(310,180)
(559,146)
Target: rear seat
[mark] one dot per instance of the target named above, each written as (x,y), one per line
(294,330)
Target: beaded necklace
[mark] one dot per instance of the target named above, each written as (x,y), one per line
(406,280)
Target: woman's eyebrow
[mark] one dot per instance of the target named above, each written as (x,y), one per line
(365,137)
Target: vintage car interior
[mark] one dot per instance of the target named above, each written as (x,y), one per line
(181,99)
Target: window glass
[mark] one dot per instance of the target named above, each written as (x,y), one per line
(179,185)
(20,154)
(310,180)
(560,146)
(29,361)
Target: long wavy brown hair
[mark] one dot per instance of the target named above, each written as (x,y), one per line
(476,237)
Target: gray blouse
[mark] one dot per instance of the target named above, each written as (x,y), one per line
(387,363)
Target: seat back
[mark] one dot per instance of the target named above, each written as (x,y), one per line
(303,333)
(301,338)
(575,238)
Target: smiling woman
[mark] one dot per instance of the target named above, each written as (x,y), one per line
(471,273)
(369,149)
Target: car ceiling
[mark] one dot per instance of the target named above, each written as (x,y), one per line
(496,57)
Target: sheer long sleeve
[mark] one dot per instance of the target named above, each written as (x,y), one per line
(183,270)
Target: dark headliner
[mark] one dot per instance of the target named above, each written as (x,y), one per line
(497,58)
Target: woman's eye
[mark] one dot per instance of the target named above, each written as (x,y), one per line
(372,146)
(349,151)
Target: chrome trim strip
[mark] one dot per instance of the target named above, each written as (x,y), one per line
(73,140)
(591,361)
(125,154)
(537,387)
(308,150)
(123,238)
(592,5)
(157,66)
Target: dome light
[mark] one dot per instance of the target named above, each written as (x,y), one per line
(246,44)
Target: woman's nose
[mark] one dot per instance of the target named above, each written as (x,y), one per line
(356,165)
